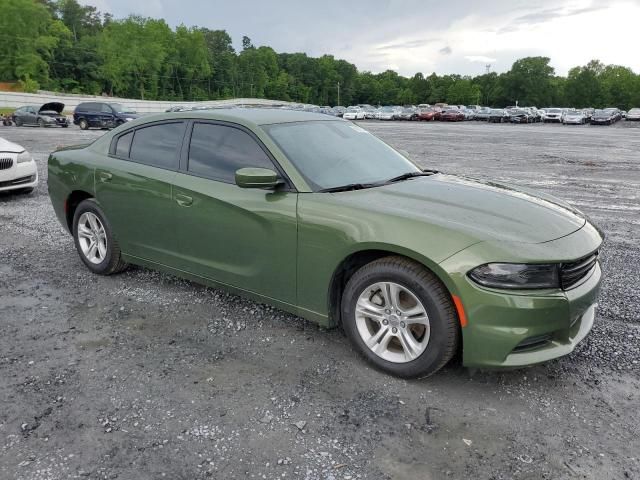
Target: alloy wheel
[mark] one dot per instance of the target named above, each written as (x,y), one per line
(392,322)
(92,238)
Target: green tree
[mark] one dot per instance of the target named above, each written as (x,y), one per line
(133,52)
(529,81)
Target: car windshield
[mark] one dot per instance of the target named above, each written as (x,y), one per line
(554,110)
(497,111)
(387,109)
(634,111)
(353,109)
(331,154)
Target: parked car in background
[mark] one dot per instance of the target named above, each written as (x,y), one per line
(47,115)
(574,117)
(426,114)
(408,113)
(517,115)
(339,110)
(337,227)
(353,113)
(103,115)
(483,113)
(370,113)
(633,114)
(469,114)
(552,115)
(18,170)
(615,112)
(388,113)
(498,115)
(451,115)
(588,113)
(603,117)
(534,113)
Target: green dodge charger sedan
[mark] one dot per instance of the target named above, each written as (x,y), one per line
(319,217)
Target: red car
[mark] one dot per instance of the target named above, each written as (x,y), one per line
(452,116)
(427,115)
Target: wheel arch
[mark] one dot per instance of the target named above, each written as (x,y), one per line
(367,254)
(72,202)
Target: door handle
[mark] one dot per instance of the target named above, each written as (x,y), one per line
(183,200)
(105,177)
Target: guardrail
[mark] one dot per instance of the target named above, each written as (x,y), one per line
(71,101)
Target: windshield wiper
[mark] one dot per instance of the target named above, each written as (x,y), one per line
(406,176)
(350,187)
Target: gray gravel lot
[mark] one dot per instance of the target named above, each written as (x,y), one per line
(146,376)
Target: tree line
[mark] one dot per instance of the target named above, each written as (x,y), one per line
(64,46)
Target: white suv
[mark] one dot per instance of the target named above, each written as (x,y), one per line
(18,171)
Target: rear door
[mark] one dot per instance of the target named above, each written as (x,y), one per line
(134,187)
(246,238)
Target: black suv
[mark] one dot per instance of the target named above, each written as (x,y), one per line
(101,115)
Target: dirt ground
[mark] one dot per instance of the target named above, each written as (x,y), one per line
(145,376)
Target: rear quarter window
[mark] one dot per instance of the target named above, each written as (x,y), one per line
(123,144)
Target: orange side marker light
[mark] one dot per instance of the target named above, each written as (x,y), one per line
(460,309)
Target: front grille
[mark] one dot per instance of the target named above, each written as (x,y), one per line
(572,273)
(18,181)
(6,163)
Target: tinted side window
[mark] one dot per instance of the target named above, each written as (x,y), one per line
(158,145)
(123,144)
(217,152)
(105,108)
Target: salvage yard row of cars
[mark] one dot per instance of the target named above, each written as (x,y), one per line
(108,115)
(459,113)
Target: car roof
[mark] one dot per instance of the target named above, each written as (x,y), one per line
(246,116)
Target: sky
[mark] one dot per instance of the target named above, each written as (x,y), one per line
(409,36)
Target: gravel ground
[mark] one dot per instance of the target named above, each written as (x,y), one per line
(146,376)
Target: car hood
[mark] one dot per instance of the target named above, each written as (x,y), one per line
(50,107)
(10,147)
(485,210)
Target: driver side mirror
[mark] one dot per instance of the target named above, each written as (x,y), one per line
(257,178)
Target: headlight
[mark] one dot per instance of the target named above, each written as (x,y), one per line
(516,276)
(24,157)
(128,119)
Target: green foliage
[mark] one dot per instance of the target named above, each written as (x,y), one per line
(63,45)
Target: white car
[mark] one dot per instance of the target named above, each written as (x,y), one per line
(388,113)
(18,170)
(354,113)
(552,115)
(573,117)
(633,114)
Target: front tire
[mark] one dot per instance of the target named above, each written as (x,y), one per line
(94,240)
(83,124)
(400,317)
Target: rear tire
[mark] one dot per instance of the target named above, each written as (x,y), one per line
(41,123)
(90,226)
(413,328)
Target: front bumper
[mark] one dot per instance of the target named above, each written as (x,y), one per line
(519,328)
(21,175)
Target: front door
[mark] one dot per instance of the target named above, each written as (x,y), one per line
(245,238)
(134,188)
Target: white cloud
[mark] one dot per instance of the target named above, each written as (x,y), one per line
(480,59)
